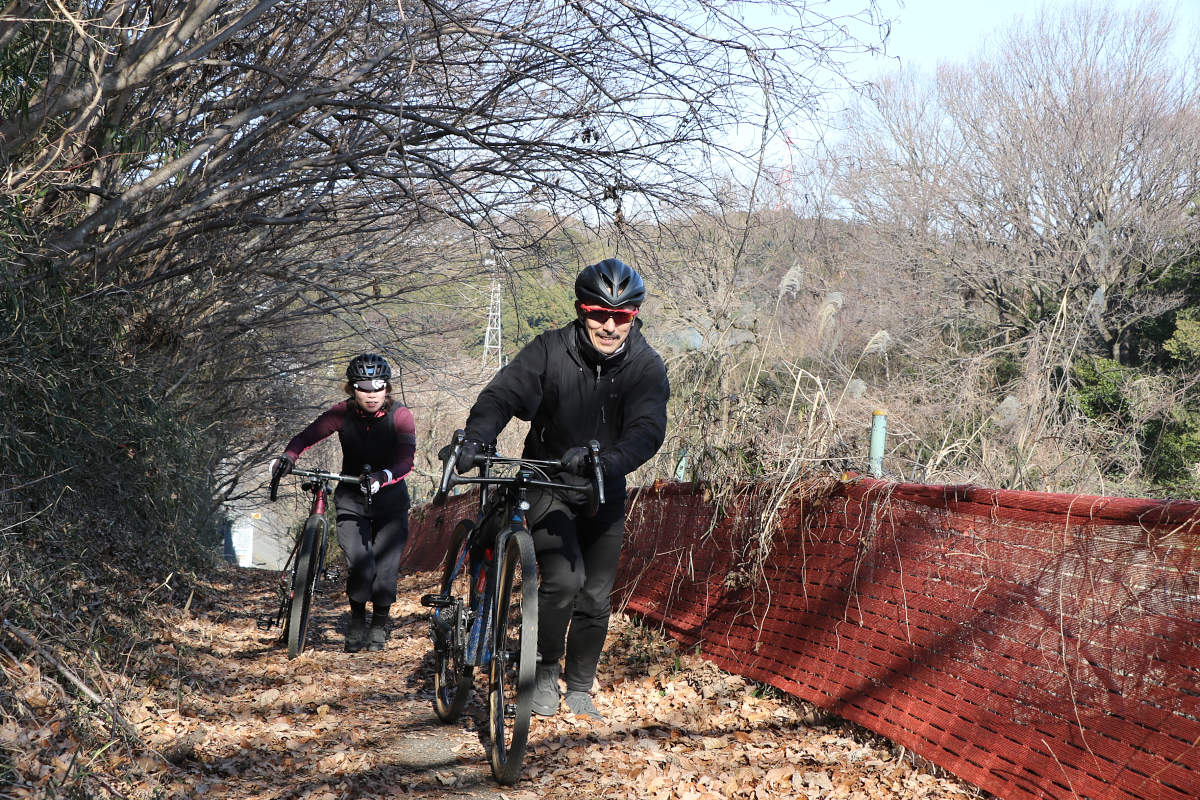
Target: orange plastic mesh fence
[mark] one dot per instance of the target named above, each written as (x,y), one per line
(1035,645)
(429,529)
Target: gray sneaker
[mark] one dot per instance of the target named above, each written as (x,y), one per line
(581,703)
(545,690)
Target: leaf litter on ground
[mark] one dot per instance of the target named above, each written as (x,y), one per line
(223,714)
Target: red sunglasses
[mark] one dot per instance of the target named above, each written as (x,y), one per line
(621,316)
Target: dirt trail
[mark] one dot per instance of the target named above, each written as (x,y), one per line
(238,720)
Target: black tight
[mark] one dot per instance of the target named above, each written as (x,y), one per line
(373,543)
(577,560)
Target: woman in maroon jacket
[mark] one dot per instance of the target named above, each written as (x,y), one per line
(377,431)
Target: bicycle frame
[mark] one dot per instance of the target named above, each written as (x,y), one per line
(485,613)
(320,490)
(478,650)
(320,485)
(310,548)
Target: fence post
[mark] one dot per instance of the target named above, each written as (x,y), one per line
(681,466)
(878,439)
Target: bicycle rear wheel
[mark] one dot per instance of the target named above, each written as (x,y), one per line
(304,582)
(514,657)
(453,676)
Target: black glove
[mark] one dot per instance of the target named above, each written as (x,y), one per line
(575,460)
(281,466)
(466,455)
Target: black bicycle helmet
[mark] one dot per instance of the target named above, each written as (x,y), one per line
(612,283)
(367,366)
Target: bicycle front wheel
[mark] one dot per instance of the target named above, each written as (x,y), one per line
(514,657)
(453,675)
(304,582)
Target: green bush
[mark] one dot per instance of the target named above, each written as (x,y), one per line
(1184,344)
(1174,453)
(1169,441)
(1100,387)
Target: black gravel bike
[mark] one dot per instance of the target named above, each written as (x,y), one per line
(485,614)
(298,580)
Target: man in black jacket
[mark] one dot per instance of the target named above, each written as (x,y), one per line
(597,378)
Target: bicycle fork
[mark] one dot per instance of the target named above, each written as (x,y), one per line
(479,644)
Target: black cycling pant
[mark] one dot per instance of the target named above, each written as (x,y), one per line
(577,561)
(373,542)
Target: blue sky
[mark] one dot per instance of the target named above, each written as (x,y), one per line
(926,31)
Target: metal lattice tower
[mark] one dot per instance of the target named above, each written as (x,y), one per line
(493,356)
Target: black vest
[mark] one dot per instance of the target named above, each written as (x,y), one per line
(367,441)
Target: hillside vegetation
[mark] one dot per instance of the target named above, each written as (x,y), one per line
(208,207)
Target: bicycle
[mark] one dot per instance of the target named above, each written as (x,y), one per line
(485,614)
(298,580)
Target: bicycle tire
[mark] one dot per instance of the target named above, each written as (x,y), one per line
(453,677)
(514,657)
(304,583)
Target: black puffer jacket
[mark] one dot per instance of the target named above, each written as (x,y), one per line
(570,395)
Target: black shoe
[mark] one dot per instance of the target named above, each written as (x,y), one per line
(581,703)
(545,690)
(356,635)
(377,636)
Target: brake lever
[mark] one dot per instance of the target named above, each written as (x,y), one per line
(448,461)
(597,474)
(364,485)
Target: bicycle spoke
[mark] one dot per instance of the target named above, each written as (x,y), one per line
(304,583)
(514,658)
